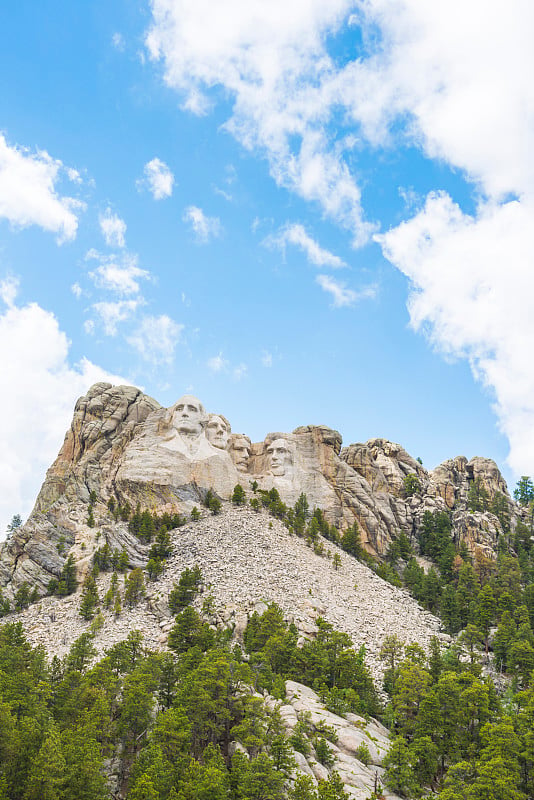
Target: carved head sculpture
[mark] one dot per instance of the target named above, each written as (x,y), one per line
(240,451)
(188,415)
(281,456)
(217,431)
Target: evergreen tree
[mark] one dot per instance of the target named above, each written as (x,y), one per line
(154,568)
(411,484)
(485,611)
(477,496)
(190,631)
(134,587)
(524,491)
(185,591)
(48,769)
(239,497)
(350,541)
(400,776)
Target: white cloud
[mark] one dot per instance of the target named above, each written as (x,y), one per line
(204,228)
(472,288)
(341,295)
(156,338)
(271,58)
(117,273)
(240,371)
(296,234)
(113,228)
(157,178)
(461,78)
(118,42)
(217,363)
(43,387)
(28,193)
(76,290)
(112,313)
(9,288)
(73,175)
(227,196)
(220,364)
(89,327)
(267,359)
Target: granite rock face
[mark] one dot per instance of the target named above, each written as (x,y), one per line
(123,445)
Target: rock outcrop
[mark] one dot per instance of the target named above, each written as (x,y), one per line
(350,733)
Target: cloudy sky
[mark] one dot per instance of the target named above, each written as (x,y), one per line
(303,212)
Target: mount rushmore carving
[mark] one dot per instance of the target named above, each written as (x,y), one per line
(123,445)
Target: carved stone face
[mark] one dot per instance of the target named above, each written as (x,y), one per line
(217,432)
(188,415)
(241,453)
(281,457)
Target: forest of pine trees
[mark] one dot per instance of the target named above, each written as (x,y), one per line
(461,718)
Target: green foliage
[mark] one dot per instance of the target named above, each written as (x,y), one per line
(477,497)
(134,587)
(328,663)
(67,579)
(212,502)
(362,754)
(400,776)
(146,525)
(22,597)
(154,568)
(16,522)
(239,497)
(80,654)
(323,752)
(272,502)
(48,768)
(195,514)
(411,484)
(299,739)
(90,599)
(387,572)
(435,541)
(524,491)
(5,606)
(400,547)
(350,541)
(161,548)
(184,592)
(190,631)
(499,507)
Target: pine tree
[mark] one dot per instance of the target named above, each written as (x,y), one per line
(48,769)
(350,541)
(134,587)
(485,611)
(399,773)
(239,497)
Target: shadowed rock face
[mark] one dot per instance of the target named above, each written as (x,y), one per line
(123,444)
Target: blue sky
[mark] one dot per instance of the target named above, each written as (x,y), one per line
(303,213)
